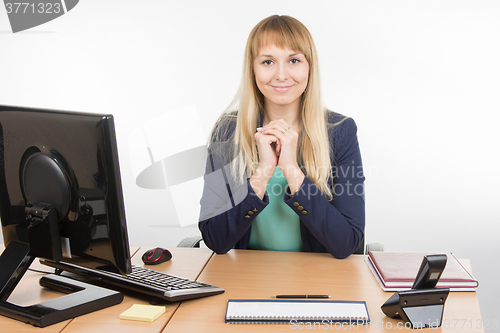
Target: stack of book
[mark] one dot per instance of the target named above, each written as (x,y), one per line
(396,271)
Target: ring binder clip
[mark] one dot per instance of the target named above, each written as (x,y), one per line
(423,305)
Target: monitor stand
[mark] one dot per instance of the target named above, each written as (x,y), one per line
(81,298)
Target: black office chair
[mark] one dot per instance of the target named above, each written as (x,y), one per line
(195,242)
(190,242)
(362,249)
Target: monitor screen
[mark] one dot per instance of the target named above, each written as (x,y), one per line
(65,163)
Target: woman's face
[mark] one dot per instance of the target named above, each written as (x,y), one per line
(281,75)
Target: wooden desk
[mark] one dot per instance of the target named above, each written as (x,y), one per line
(186,262)
(244,274)
(262,274)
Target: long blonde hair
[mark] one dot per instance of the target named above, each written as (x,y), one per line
(314,148)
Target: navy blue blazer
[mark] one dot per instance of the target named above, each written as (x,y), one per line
(336,226)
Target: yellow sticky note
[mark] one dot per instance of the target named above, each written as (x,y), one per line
(142,312)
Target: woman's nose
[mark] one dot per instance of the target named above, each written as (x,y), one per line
(281,72)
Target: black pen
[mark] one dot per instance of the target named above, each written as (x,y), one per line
(301,296)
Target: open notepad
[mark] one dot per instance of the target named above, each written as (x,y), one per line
(288,311)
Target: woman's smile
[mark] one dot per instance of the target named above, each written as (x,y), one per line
(282,88)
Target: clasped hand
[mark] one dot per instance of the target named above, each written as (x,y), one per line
(277,144)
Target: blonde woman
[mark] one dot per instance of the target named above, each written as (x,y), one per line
(283,172)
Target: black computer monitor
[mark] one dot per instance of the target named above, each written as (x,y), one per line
(60,192)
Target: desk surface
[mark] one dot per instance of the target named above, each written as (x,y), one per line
(245,274)
(262,274)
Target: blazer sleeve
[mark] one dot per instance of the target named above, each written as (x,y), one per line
(337,224)
(228,207)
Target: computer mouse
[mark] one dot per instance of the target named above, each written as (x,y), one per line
(156,256)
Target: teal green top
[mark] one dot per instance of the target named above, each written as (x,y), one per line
(277,227)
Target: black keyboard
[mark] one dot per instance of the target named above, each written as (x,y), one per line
(146,281)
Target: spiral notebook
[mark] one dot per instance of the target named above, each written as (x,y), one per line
(245,311)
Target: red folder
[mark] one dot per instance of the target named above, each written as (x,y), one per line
(397,271)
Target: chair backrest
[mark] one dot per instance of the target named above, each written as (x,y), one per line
(195,242)
(190,242)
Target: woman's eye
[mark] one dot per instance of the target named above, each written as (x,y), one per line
(267,62)
(294,61)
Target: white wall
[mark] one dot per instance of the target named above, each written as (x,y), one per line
(421,79)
